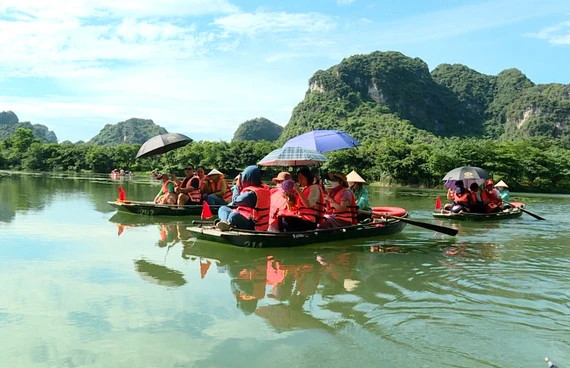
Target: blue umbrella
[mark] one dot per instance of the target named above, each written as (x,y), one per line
(323,140)
(292,156)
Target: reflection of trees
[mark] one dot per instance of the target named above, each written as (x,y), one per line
(24,192)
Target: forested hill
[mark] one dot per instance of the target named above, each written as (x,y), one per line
(130,131)
(9,122)
(390,94)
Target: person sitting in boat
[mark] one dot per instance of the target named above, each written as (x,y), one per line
(340,204)
(451,194)
(503,189)
(252,212)
(219,192)
(475,200)
(311,206)
(188,189)
(460,200)
(293,215)
(356,185)
(317,179)
(491,198)
(167,193)
(277,200)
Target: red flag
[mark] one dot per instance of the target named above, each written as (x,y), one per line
(122,195)
(437,203)
(121,229)
(206,212)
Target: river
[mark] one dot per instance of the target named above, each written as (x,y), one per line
(85,287)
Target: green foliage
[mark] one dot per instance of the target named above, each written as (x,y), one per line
(132,131)
(258,129)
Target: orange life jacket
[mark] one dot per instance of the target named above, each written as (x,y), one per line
(165,187)
(260,213)
(349,214)
(461,199)
(219,186)
(194,194)
(315,213)
(278,203)
(491,200)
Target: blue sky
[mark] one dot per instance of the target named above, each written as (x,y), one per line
(202,67)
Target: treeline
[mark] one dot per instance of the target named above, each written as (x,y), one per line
(526,165)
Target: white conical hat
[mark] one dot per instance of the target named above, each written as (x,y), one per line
(214,172)
(501,184)
(353,177)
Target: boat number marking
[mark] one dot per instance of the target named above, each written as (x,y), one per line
(146,212)
(253,244)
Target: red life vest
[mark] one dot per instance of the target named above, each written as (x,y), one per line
(315,213)
(349,214)
(194,194)
(260,213)
(219,186)
(492,200)
(278,203)
(165,187)
(461,199)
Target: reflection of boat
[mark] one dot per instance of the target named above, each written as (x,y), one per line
(264,239)
(512,212)
(153,209)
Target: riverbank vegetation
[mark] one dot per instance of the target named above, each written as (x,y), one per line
(534,165)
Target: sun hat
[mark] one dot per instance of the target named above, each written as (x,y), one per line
(353,177)
(282,176)
(214,172)
(501,184)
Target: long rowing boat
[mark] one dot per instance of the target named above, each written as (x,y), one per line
(264,239)
(153,209)
(513,212)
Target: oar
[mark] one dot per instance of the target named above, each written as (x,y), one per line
(530,213)
(441,229)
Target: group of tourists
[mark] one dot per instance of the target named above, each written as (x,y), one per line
(491,198)
(196,187)
(291,205)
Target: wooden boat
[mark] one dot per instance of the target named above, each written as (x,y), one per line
(512,212)
(153,209)
(264,239)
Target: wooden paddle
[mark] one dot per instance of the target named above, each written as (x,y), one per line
(530,213)
(441,229)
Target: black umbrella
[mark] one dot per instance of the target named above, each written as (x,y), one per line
(468,174)
(162,143)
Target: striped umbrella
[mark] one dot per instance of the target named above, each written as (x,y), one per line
(292,156)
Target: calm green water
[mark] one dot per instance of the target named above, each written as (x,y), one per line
(84,287)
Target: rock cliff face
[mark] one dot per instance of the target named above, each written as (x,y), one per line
(9,122)
(452,100)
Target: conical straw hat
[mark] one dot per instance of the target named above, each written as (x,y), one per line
(214,172)
(501,184)
(353,177)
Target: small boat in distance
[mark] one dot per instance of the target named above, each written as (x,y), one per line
(513,212)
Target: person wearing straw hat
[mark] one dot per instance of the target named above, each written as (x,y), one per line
(340,204)
(356,185)
(503,189)
(220,192)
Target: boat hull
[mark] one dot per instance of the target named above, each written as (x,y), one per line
(153,209)
(264,239)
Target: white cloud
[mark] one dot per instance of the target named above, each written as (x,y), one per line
(344,2)
(275,22)
(558,34)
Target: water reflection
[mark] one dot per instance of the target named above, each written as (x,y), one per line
(171,230)
(159,274)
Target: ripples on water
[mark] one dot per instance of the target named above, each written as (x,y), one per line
(106,290)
